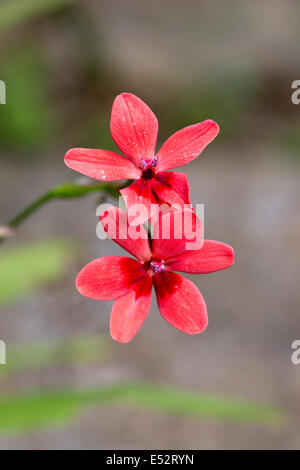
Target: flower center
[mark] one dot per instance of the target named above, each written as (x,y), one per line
(147,167)
(158,266)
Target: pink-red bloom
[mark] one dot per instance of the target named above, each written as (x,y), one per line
(129,281)
(134,129)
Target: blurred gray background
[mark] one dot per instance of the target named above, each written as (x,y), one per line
(232,62)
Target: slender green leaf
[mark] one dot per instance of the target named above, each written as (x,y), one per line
(24,413)
(194,404)
(21,413)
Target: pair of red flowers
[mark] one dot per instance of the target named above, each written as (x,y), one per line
(134,129)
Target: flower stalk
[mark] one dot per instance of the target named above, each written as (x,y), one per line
(72,189)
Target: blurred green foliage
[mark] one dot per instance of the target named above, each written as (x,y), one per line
(78,350)
(13,12)
(26,269)
(27,412)
(27,119)
(228,100)
(288,139)
(38,410)
(194,404)
(96,133)
(35,108)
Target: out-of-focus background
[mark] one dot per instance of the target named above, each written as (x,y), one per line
(66,384)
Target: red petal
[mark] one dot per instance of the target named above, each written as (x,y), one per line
(130,311)
(110,277)
(167,195)
(212,257)
(133,127)
(101,164)
(176,232)
(180,303)
(134,239)
(186,144)
(138,193)
(176,181)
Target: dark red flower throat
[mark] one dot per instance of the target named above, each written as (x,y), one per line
(147,167)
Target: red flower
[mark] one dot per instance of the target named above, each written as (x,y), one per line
(134,129)
(130,281)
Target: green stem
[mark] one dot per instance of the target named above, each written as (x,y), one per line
(67,190)
(24,214)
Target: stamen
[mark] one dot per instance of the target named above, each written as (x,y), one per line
(147,164)
(158,266)
(154,162)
